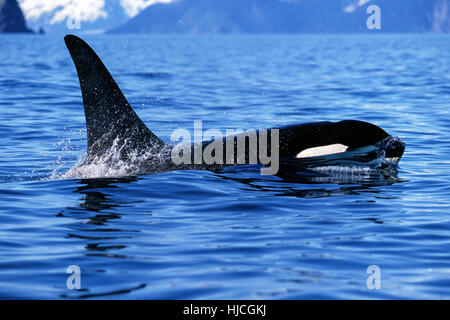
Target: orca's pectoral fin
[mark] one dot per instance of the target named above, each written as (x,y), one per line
(109,116)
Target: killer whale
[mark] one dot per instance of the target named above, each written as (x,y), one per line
(116,135)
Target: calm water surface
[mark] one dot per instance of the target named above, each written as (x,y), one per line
(231,235)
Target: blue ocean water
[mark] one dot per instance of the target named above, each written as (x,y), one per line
(231,235)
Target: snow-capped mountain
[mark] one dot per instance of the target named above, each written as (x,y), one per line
(290,16)
(84,15)
(235,16)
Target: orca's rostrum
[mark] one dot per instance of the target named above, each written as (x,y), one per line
(118,138)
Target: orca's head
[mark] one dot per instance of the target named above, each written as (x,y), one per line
(324,138)
(394,148)
(360,134)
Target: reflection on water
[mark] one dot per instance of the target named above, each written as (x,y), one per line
(287,183)
(101,239)
(337,181)
(107,231)
(95,200)
(104,235)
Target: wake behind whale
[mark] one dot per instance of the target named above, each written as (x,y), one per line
(120,144)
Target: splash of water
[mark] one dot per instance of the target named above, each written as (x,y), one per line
(111,163)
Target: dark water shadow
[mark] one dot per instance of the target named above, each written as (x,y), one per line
(95,200)
(295,182)
(99,206)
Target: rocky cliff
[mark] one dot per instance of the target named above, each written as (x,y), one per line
(11,17)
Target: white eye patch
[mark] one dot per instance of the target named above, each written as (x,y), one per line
(322,150)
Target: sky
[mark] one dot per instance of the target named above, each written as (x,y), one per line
(87,10)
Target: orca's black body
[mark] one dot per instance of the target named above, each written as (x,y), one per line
(110,120)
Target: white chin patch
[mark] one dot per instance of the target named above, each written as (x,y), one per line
(393,161)
(322,150)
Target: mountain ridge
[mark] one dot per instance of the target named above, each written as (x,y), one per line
(295,16)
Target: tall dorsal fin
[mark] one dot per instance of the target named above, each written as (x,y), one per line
(108,114)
